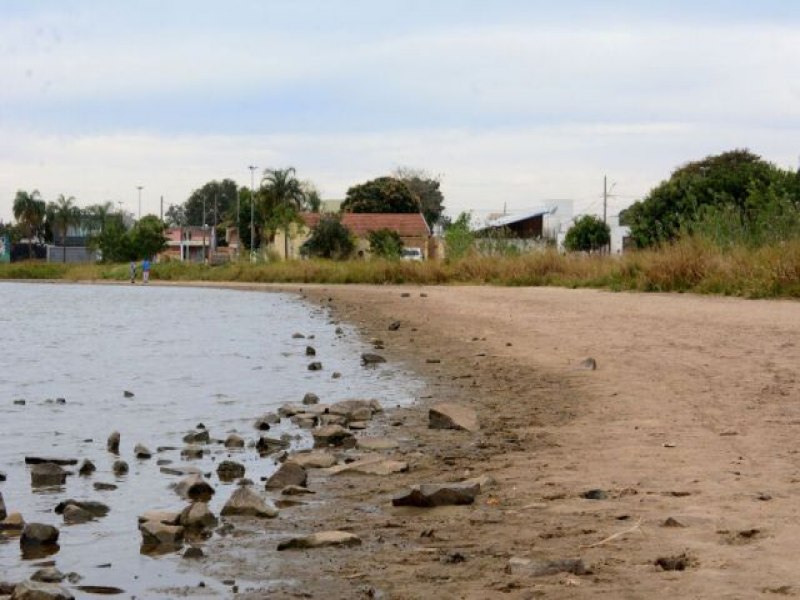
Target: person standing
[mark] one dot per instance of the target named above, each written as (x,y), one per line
(133,271)
(145,270)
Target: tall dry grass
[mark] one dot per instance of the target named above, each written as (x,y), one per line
(691,265)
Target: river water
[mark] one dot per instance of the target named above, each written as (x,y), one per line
(189,355)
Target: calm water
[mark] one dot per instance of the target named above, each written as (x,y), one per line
(189,355)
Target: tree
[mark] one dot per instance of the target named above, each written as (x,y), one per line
(313,201)
(283,198)
(381,195)
(96,216)
(29,211)
(587,234)
(737,179)
(114,242)
(64,213)
(223,193)
(458,237)
(329,239)
(385,243)
(175,215)
(427,189)
(147,237)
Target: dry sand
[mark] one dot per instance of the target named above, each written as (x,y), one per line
(693,413)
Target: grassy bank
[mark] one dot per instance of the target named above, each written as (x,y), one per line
(690,266)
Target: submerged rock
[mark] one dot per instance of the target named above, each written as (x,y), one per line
(197,437)
(234,441)
(159,534)
(38,460)
(310,398)
(47,474)
(38,534)
(3,513)
(315,366)
(13,522)
(228,470)
(160,516)
(195,488)
(141,451)
(86,468)
(96,509)
(120,467)
(35,590)
(267,445)
(322,539)
(113,442)
(48,575)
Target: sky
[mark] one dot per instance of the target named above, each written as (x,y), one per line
(510,103)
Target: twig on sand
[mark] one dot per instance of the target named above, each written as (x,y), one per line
(619,534)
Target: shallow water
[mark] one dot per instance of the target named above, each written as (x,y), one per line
(189,355)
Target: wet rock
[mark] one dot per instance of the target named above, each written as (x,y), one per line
(105,590)
(313,460)
(315,366)
(101,486)
(394,326)
(192,451)
(246,502)
(96,509)
(298,336)
(87,468)
(141,451)
(310,398)
(339,331)
(310,351)
(197,437)
(193,553)
(195,488)
(73,515)
(324,420)
(128,394)
(197,516)
(181,470)
(262,425)
(62,462)
(61,401)
(267,445)
(376,443)
(296,490)
(336,375)
(159,534)
(48,575)
(322,539)
(47,474)
(595,495)
(35,590)
(3,513)
(120,467)
(450,415)
(357,425)
(112,445)
(437,494)
(38,534)
(541,568)
(305,421)
(234,441)
(288,473)
(12,523)
(588,364)
(3,476)
(19,402)
(333,435)
(370,358)
(369,466)
(228,470)
(353,410)
(165,517)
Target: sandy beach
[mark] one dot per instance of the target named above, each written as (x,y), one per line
(691,415)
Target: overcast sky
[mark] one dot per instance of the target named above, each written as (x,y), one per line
(509,102)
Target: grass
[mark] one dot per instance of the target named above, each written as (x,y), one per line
(688,266)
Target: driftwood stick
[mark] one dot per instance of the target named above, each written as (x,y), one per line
(619,534)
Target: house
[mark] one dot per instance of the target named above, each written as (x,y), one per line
(72,247)
(411,227)
(196,243)
(525,226)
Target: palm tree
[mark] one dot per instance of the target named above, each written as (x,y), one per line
(29,210)
(64,213)
(98,216)
(283,196)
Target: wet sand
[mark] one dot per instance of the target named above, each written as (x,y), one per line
(692,413)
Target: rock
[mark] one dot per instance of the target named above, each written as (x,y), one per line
(6,588)
(322,539)
(195,488)
(369,466)
(678,562)
(96,509)
(483,482)
(141,451)
(313,460)
(595,495)
(38,534)
(310,351)
(288,473)
(315,366)
(12,522)
(324,420)
(48,575)
(437,494)
(104,590)
(197,437)
(62,462)
(181,470)
(376,443)
(193,552)
(670,522)
(3,476)
(333,435)
(267,445)
(35,590)
(588,364)
(159,534)
(3,513)
(352,410)
(246,502)
(357,425)
(128,394)
(310,398)
(87,468)
(234,441)
(449,415)
(296,490)
(74,515)
(197,516)
(369,358)
(120,467)
(19,402)
(262,425)
(103,487)
(228,470)
(336,375)
(540,568)
(305,421)
(394,326)
(192,451)
(47,474)
(339,331)
(165,517)
(298,336)
(113,443)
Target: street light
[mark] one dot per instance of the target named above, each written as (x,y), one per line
(140,187)
(252,204)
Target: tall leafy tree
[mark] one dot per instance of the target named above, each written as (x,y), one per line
(329,239)
(282,197)
(96,216)
(223,193)
(587,234)
(428,190)
(64,213)
(381,195)
(29,211)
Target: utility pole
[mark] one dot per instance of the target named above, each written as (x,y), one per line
(216,195)
(204,228)
(605,199)
(252,205)
(140,187)
(162,209)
